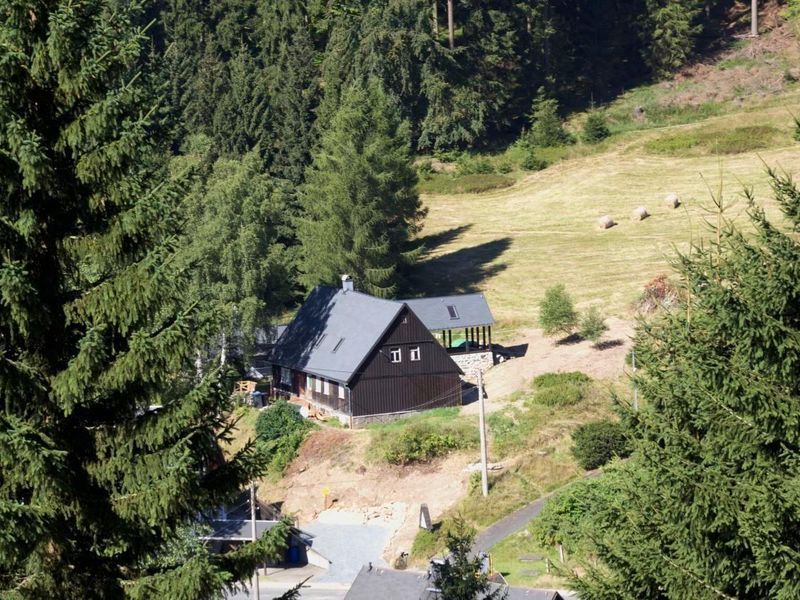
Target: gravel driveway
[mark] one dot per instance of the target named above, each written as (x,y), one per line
(348,547)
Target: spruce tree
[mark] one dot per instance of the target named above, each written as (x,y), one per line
(236,242)
(360,205)
(294,99)
(109,446)
(709,506)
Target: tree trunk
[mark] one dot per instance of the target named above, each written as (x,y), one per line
(435,18)
(223,354)
(450,34)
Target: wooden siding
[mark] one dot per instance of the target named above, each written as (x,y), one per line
(382,386)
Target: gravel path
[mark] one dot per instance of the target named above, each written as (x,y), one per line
(348,547)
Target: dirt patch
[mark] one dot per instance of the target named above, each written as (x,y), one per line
(336,461)
(547,355)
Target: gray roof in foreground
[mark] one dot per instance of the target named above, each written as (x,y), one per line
(388,584)
(469,310)
(333,333)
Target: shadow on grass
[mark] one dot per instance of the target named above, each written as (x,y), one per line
(608,345)
(461,271)
(435,240)
(570,340)
(469,393)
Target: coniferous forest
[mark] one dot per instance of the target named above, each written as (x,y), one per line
(178,173)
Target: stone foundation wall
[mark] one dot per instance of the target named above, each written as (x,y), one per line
(473,362)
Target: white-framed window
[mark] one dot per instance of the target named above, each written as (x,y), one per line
(395,355)
(326,387)
(341,391)
(318,385)
(309,383)
(413,353)
(286,376)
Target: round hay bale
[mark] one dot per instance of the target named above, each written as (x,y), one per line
(606,222)
(672,200)
(640,214)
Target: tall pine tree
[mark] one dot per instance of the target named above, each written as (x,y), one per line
(709,506)
(359,202)
(108,444)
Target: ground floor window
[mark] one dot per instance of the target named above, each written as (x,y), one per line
(318,386)
(341,392)
(326,387)
(286,376)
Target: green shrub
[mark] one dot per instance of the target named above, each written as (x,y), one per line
(559,396)
(425,169)
(531,162)
(592,325)
(595,129)
(505,167)
(560,389)
(546,128)
(468,165)
(557,311)
(279,420)
(282,429)
(595,444)
(421,442)
(557,379)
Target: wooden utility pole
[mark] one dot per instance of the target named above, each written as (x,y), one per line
(635,387)
(482,424)
(754,18)
(450,33)
(253,536)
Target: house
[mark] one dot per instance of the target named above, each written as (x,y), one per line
(388,584)
(231,526)
(362,358)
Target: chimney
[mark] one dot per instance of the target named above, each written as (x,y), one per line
(347,283)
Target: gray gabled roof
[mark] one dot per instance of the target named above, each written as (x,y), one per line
(388,584)
(333,332)
(470,310)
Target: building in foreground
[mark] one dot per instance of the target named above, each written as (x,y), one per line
(366,359)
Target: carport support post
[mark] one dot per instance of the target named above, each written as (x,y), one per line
(482,415)
(254,585)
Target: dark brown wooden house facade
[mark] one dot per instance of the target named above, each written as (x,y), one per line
(363,359)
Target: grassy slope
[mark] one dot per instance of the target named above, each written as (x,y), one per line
(543,231)
(515,242)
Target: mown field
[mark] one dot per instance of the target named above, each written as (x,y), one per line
(514,243)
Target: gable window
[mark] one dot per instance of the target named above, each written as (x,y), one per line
(451,309)
(414,353)
(326,387)
(395,355)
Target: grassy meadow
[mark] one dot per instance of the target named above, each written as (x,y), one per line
(512,243)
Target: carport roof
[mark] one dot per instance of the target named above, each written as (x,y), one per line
(452,312)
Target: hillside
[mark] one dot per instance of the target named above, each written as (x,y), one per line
(515,242)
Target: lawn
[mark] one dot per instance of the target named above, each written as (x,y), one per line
(514,243)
